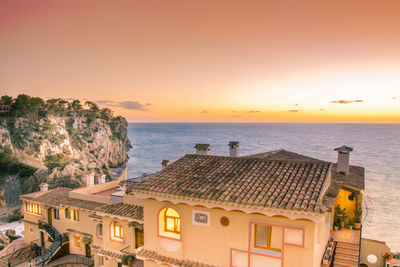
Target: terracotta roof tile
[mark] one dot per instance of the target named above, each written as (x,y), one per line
(248,181)
(52,197)
(124,210)
(145,254)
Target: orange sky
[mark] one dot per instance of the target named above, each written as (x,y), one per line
(241,60)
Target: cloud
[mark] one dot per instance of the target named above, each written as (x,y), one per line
(293,110)
(205,112)
(347,101)
(235,116)
(394,98)
(253,111)
(131,105)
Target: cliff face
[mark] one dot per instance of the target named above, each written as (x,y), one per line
(60,149)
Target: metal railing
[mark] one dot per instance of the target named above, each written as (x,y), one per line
(72,259)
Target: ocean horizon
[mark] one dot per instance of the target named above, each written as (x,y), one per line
(376,148)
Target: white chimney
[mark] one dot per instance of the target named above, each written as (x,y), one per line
(202,149)
(165,163)
(90,180)
(44,187)
(234,148)
(343,160)
(102,179)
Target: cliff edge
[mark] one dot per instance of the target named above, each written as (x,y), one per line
(63,143)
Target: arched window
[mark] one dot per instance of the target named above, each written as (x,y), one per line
(117,231)
(169,223)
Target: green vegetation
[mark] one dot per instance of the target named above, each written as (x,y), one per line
(34,108)
(9,165)
(57,160)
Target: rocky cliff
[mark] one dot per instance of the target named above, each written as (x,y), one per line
(58,142)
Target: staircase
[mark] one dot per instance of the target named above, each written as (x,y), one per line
(346,255)
(57,240)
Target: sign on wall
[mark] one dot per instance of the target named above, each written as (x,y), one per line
(201,218)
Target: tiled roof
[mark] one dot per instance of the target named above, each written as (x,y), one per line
(355,177)
(52,197)
(145,254)
(136,225)
(124,210)
(95,216)
(282,154)
(108,253)
(247,181)
(83,204)
(78,232)
(60,196)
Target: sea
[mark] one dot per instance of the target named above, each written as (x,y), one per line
(376,148)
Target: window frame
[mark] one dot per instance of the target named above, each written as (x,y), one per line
(177,222)
(98,227)
(161,224)
(112,231)
(75,215)
(79,240)
(56,214)
(67,213)
(269,235)
(33,209)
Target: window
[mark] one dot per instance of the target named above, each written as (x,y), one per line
(101,261)
(169,223)
(99,230)
(267,238)
(56,214)
(77,241)
(31,229)
(33,208)
(76,215)
(67,213)
(117,231)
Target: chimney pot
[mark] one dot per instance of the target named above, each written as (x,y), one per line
(234,148)
(165,163)
(202,149)
(343,160)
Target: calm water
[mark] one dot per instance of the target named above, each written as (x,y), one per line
(376,148)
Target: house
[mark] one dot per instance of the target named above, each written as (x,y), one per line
(269,209)
(93,225)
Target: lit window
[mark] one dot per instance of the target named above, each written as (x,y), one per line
(267,237)
(56,214)
(76,215)
(33,208)
(117,231)
(169,223)
(77,241)
(67,213)
(100,230)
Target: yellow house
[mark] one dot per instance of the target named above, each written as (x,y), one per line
(271,209)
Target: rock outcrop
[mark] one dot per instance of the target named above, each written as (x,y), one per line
(61,147)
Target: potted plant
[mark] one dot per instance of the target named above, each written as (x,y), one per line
(339,218)
(357,219)
(350,224)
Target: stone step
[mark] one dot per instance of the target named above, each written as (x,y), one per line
(347,252)
(344,257)
(342,263)
(347,246)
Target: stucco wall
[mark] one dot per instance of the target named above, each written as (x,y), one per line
(212,244)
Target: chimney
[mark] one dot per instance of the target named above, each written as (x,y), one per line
(102,179)
(44,187)
(145,176)
(234,149)
(165,163)
(343,159)
(202,149)
(124,174)
(90,180)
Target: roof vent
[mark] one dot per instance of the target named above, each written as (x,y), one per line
(234,149)
(202,149)
(44,187)
(343,160)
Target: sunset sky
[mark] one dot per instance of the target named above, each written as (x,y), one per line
(200,60)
